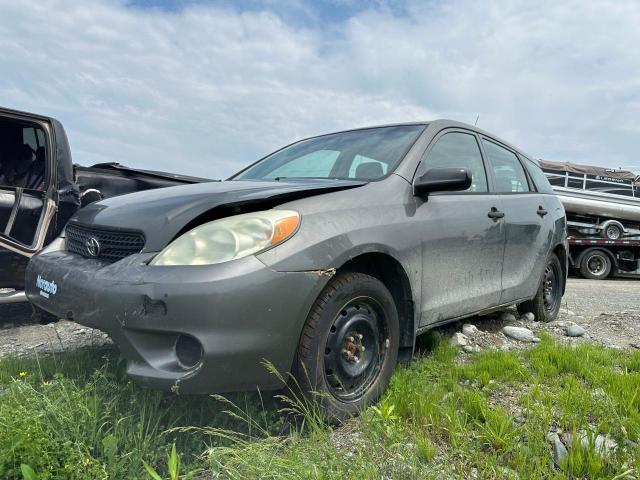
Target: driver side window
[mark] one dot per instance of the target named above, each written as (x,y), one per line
(457,149)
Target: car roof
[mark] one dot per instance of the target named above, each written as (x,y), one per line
(9,112)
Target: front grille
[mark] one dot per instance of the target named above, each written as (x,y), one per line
(102,244)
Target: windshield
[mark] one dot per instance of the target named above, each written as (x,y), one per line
(366,154)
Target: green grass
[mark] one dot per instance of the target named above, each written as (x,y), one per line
(78,416)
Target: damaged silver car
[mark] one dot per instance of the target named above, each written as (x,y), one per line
(325,258)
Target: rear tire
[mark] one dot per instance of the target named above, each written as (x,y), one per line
(595,264)
(546,304)
(349,346)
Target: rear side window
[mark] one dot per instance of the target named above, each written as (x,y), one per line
(508,171)
(538,176)
(458,150)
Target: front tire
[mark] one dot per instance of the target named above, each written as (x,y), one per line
(349,346)
(546,304)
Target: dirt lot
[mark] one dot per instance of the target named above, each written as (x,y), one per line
(608,311)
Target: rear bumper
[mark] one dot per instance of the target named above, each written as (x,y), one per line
(242,313)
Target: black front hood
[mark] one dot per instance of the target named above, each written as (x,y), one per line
(161,214)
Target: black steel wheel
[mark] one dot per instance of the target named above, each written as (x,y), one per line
(595,264)
(349,345)
(546,304)
(551,287)
(355,349)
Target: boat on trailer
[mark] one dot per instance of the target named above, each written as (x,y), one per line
(596,193)
(603,218)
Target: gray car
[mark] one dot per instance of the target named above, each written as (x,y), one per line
(325,258)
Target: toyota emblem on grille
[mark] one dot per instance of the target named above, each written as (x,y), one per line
(93,247)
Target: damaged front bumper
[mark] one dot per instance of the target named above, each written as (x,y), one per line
(191,329)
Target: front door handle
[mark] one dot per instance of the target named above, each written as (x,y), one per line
(541,211)
(495,213)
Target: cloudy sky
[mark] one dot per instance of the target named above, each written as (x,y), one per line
(205,87)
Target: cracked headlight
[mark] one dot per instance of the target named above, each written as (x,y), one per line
(230,238)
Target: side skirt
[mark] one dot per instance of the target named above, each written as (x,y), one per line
(484,311)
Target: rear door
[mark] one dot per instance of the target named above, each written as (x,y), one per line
(26,182)
(528,238)
(462,234)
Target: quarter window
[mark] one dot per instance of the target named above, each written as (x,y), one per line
(458,150)
(508,170)
(538,176)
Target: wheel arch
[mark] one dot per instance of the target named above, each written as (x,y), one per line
(393,275)
(561,252)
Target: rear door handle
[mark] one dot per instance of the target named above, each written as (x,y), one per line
(495,213)
(541,211)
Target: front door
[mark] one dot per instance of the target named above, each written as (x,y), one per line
(463,235)
(528,238)
(25,183)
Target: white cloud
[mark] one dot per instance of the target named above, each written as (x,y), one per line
(206,90)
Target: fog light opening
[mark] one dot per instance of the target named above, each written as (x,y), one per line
(188,351)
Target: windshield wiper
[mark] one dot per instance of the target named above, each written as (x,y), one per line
(277,179)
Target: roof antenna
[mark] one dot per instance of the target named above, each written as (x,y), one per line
(477,118)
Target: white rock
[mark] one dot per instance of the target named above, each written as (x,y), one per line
(529,316)
(575,331)
(507,317)
(459,340)
(469,329)
(559,451)
(604,444)
(570,313)
(520,333)
(468,349)
(562,323)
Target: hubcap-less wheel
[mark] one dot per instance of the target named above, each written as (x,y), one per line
(349,346)
(551,287)
(597,264)
(546,304)
(355,349)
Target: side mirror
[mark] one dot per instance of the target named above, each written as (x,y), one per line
(442,180)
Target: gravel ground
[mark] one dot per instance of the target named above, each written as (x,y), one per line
(604,312)
(609,312)
(21,337)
